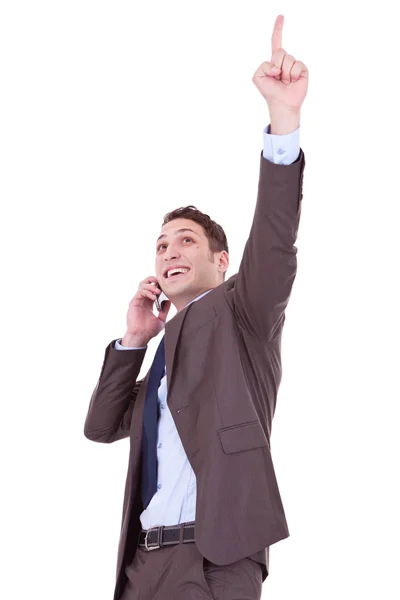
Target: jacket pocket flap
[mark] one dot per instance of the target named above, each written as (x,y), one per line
(245,436)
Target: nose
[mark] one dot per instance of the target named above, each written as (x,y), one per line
(170,257)
(171,253)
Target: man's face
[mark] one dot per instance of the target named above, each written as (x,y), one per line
(190,249)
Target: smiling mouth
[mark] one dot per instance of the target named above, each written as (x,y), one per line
(177,276)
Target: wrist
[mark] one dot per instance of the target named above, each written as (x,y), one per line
(133,341)
(284,122)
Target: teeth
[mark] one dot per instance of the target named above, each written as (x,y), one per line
(178,270)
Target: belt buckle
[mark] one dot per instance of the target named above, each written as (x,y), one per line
(159,537)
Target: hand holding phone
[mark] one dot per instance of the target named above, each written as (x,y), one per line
(142,323)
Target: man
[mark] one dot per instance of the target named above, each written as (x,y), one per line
(202,504)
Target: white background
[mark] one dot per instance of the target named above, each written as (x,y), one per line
(115,113)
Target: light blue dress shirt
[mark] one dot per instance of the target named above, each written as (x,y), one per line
(175,499)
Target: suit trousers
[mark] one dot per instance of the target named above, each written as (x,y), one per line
(181,572)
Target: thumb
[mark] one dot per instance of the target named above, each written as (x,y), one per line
(271,69)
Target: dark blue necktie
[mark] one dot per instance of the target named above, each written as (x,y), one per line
(150,417)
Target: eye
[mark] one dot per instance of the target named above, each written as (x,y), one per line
(186,238)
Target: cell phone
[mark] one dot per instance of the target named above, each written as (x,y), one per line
(158,304)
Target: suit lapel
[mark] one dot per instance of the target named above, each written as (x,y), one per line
(172,332)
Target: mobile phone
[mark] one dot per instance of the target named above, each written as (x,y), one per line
(158,303)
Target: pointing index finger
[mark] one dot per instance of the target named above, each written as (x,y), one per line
(276,40)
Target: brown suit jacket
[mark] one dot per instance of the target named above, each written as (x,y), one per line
(223,364)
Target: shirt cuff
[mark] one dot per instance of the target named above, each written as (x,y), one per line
(119,347)
(281,149)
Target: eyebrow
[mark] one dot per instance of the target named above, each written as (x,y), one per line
(176,232)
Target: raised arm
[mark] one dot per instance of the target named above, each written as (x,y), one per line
(269,264)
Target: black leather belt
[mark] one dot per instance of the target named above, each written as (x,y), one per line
(166,535)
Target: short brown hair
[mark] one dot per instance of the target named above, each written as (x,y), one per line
(217,241)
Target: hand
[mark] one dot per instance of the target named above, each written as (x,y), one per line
(283,81)
(142,324)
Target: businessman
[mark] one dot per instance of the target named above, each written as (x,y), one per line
(202,505)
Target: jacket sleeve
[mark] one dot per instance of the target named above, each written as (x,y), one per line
(269,264)
(113,399)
